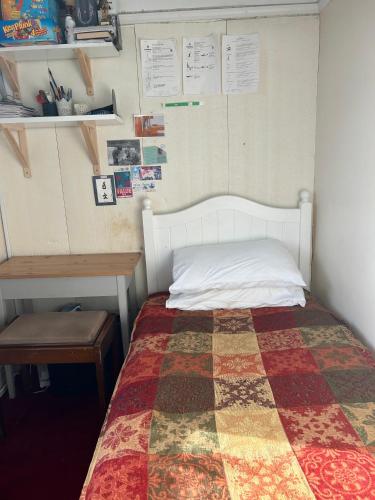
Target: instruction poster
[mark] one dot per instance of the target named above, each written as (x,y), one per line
(201,67)
(160,72)
(240,59)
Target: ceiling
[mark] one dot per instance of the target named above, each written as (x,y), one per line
(143,11)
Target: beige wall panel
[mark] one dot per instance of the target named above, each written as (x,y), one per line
(113,228)
(196,138)
(34,207)
(271,133)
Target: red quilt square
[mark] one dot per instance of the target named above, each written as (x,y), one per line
(322,426)
(289,361)
(143,366)
(336,473)
(192,364)
(280,340)
(271,322)
(262,311)
(303,389)
(133,398)
(155,310)
(119,478)
(154,324)
(187,476)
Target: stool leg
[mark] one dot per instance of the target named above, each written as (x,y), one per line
(9,376)
(100,381)
(2,426)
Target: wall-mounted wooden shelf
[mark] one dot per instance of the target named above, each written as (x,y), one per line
(87,123)
(82,51)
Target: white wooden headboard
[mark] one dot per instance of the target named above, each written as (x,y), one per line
(223,219)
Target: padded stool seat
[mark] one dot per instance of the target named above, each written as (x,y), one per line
(63,337)
(52,328)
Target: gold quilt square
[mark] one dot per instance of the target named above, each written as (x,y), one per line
(252,433)
(240,343)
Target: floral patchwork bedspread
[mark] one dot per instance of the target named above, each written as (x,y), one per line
(271,403)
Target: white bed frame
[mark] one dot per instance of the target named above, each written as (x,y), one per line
(223,219)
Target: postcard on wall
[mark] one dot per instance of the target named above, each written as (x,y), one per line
(124,152)
(149,125)
(145,186)
(160,72)
(123,184)
(153,155)
(135,173)
(201,66)
(240,59)
(151,173)
(104,190)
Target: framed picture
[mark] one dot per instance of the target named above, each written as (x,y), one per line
(104,190)
(124,152)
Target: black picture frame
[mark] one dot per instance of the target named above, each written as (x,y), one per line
(98,199)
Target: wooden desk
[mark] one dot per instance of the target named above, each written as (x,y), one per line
(59,276)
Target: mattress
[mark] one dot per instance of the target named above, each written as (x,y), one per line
(270,403)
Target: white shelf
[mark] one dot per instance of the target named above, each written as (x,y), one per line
(62,121)
(59,51)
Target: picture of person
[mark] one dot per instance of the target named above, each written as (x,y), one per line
(124,152)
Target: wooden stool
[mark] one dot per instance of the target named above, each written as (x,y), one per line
(59,337)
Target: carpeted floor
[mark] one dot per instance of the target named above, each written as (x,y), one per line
(50,439)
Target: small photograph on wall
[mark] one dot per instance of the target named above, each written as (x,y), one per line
(124,152)
(151,173)
(144,186)
(123,184)
(136,173)
(104,190)
(149,125)
(153,155)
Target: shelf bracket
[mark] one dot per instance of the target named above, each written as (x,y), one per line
(85,65)
(19,148)
(9,68)
(89,133)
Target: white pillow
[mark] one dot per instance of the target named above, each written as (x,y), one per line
(238,299)
(244,264)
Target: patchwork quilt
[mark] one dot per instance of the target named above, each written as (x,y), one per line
(271,403)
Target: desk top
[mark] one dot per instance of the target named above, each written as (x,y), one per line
(70,266)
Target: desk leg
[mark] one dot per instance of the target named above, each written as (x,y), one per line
(132,300)
(122,291)
(8,368)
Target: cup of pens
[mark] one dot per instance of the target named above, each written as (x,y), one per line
(63,98)
(48,104)
(64,106)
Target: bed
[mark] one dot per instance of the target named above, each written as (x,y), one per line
(268,403)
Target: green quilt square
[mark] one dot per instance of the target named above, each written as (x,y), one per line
(173,433)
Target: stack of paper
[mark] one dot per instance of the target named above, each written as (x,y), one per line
(15,109)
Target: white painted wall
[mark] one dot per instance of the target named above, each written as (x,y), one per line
(344,258)
(259,145)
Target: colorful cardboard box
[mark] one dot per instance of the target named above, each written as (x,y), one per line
(29,32)
(18,9)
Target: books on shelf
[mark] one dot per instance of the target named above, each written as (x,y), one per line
(107,37)
(108,32)
(15,109)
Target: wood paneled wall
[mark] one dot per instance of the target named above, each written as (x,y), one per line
(260,146)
